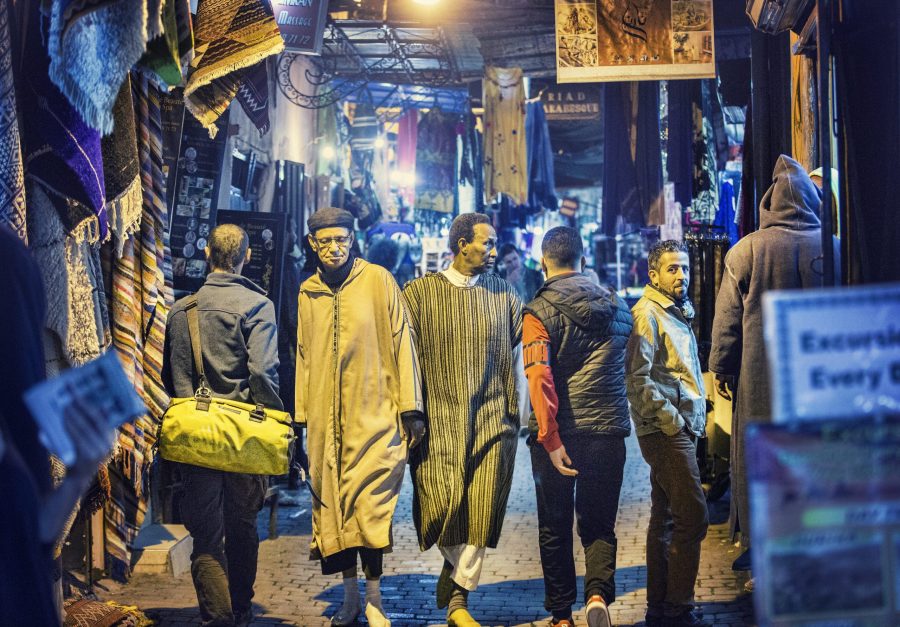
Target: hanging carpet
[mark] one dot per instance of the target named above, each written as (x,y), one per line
(253,95)
(12,174)
(230,37)
(92,46)
(121,170)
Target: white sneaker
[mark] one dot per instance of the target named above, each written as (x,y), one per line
(376,617)
(596,612)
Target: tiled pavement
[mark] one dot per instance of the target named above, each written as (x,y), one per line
(291,590)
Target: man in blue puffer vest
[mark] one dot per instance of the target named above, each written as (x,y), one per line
(574,339)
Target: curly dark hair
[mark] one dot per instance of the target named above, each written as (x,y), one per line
(463,227)
(660,248)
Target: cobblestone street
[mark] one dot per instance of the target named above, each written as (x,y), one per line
(290,589)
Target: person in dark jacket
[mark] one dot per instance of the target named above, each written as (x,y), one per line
(785,253)
(240,359)
(574,337)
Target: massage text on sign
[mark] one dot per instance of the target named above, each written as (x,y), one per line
(302,23)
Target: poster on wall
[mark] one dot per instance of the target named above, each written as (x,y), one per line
(192,212)
(266,232)
(302,24)
(630,40)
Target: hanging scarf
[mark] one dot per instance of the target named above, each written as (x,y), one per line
(231,36)
(168,55)
(62,152)
(254,96)
(92,46)
(121,170)
(12,174)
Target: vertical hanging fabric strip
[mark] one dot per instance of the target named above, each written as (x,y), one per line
(12,174)
(143,296)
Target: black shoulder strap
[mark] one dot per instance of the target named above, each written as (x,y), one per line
(193,317)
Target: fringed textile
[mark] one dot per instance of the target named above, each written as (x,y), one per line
(12,174)
(141,299)
(62,152)
(231,36)
(254,96)
(436,161)
(169,55)
(92,46)
(121,171)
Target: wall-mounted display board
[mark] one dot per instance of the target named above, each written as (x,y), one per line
(633,40)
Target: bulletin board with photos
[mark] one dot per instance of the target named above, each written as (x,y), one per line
(193,209)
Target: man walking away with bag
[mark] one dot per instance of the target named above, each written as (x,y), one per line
(240,356)
(574,335)
(668,405)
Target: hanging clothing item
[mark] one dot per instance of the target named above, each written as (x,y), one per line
(505,155)
(140,302)
(468,169)
(326,124)
(253,95)
(92,46)
(436,162)
(407,137)
(541,188)
(680,143)
(62,152)
(168,56)
(632,161)
(365,126)
(705,200)
(12,174)
(231,36)
(725,216)
(122,170)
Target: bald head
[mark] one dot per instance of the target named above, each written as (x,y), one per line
(228,248)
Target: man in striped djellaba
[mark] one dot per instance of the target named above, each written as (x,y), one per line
(467,324)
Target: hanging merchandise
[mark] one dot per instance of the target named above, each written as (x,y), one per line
(541,188)
(505,156)
(436,162)
(469,171)
(682,96)
(168,56)
(122,171)
(231,36)
(363,202)
(725,216)
(407,135)
(705,189)
(632,162)
(253,95)
(12,173)
(141,298)
(707,255)
(92,46)
(62,153)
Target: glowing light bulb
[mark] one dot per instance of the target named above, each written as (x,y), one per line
(327,151)
(379,142)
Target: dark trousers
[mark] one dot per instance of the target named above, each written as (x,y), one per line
(219,510)
(372,561)
(678,522)
(592,498)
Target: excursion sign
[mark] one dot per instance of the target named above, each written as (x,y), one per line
(302,24)
(833,353)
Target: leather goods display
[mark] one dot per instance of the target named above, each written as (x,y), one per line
(223,434)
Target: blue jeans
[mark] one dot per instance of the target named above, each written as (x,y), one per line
(592,499)
(678,521)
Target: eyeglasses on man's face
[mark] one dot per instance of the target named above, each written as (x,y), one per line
(342,241)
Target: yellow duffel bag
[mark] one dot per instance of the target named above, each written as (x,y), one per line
(223,434)
(226,435)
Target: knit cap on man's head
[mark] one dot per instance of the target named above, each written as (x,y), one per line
(328,217)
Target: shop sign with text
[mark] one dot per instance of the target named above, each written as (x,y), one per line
(302,24)
(628,40)
(571,102)
(833,353)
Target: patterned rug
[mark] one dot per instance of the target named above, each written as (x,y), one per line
(87,613)
(12,175)
(230,37)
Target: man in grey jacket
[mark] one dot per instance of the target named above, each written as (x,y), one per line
(240,355)
(668,406)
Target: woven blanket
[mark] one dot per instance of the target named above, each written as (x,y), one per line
(87,613)
(12,174)
(230,37)
(122,171)
(62,152)
(254,96)
(168,56)
(92,46)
